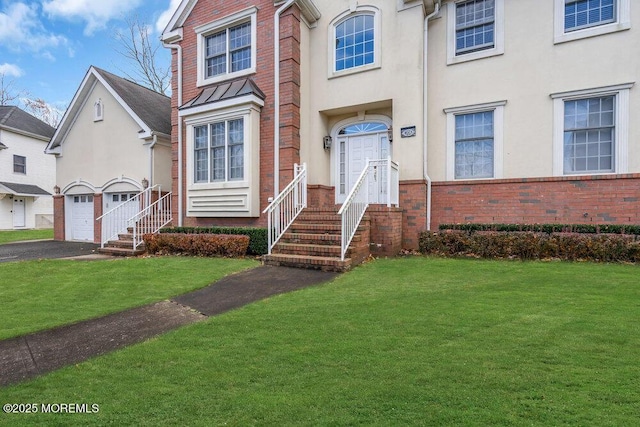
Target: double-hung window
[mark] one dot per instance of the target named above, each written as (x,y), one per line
(591,131)
(227,47)
(475,28)
(577,19)
(19,164)
(219,151)
(474,141)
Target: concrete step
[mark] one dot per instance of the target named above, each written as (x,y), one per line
(120,251)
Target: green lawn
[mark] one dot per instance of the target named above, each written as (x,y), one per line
(413,341)
(8,236)
(42,294)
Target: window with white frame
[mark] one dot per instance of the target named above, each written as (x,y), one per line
(227,47)
(474,141)
(591,131)
(19,164)
(577,19)
(354,41)
(476,29)
(218,151)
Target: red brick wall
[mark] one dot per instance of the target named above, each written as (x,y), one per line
(413,201)
(320,196)
(58,217)
(577,200)
(385,231)
(206,11)
(97,211)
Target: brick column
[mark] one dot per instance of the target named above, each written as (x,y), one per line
(58,217)
(97,211)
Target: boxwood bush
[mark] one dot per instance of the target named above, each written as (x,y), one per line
(222,245)
(258,240)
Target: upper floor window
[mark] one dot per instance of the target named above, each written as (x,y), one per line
(219,151)
(476,29)
(577,19)
(227,47)
(19,164)
(354,42)
(591,131)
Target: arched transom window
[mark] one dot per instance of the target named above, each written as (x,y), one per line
(364,127)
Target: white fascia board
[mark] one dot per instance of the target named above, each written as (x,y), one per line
(179,16)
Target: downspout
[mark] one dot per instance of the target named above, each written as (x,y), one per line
(180,142)
(425,109)
(151,152)
(276,83)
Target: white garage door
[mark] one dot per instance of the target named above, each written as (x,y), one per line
(82,217)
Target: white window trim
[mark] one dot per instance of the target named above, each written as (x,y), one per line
(497,49)
(377,37)
(98,110)
(498,137)
(247,15)
(621,134)
(622,22)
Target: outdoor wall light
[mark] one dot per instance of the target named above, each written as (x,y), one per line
(326,142)
(390,133)
(56,189)
(145,183)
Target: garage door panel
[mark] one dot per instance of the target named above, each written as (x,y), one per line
(82,220)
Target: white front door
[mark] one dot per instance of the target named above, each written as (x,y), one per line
(19,212)
(353,153)
(82,220)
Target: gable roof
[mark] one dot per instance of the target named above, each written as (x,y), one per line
(14,119)
(150,110)
(172,32)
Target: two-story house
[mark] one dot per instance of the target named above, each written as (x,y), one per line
(445,111)
(27,175)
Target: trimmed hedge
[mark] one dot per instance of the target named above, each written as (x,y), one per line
(222,245)
(258,239)
(548,228)
(529,245)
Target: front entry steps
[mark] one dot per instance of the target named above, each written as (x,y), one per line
(313,241)
(123,246)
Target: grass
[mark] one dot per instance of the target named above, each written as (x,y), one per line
(8,236)
(42,294)
(413,341)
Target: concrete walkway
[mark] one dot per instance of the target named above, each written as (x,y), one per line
(28,356)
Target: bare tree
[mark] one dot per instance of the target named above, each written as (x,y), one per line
(138,48)
(45,112)
(7,93)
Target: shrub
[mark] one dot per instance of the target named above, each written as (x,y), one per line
(221,245)
(528,245)
(258,239)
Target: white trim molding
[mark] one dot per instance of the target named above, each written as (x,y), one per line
(203,31)
(498,137)
(621,133)
(498,40)
(621,23)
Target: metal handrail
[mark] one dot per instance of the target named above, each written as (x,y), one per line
(357,201)
(114,221)
(151,219)
(287,205)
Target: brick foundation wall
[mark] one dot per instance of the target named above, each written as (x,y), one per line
(97,211)
(58,217)
(413,202)
(613,199)
(320,196)
(385,231)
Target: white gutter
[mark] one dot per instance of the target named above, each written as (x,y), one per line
(180,142)
(425,109)
(276,83)
(151,153)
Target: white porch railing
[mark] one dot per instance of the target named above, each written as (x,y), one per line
(151,219)
(378,183)
(285,208)
(117,220)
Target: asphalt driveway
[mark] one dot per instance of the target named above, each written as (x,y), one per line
(45,249)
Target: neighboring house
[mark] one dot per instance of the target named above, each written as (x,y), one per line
(112,143)
(494,110)
(27,174)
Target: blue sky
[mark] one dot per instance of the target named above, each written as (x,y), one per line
(47,46)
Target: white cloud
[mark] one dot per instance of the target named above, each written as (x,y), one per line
(11,70)
(166,16)
(20,28)
(96,13)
